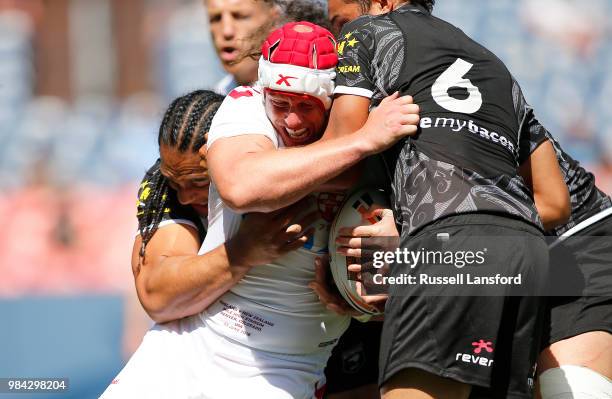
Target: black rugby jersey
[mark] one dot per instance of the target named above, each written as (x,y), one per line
(586,199)
(173,210)
(465,156)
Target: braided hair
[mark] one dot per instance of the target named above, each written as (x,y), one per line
(366,4)
(427,4)
(183,128)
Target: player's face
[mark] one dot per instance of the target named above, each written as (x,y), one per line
(339,13)
(299,119)
(232,24)
(188,175)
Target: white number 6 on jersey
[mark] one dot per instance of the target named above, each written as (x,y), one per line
(453,77)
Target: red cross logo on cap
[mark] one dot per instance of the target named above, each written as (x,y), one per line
(284,79)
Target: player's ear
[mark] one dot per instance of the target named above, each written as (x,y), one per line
(381,7)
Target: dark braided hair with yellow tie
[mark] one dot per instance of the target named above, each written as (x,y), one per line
(184,127)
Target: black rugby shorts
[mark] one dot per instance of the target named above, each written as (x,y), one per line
(354,360)
(485,335)
(583,267)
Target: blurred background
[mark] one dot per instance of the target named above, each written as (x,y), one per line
(83,86)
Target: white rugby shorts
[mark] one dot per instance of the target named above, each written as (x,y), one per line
(186,359)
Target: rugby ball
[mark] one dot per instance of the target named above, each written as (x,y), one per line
(353,212)
(327,204)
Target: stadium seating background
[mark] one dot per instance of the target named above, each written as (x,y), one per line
(70,168)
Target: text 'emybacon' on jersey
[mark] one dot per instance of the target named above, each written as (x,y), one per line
(457,125)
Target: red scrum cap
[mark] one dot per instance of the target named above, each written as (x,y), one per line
(300,57)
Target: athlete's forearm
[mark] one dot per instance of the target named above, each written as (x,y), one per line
(543,176)
(550,215)
(180,286)
(344,181)
(251,176)
(272,179)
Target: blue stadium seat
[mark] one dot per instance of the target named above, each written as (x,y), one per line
(74,337)
(185,58)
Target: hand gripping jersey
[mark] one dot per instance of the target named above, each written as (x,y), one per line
(187,359)
(465,157)
(271,308)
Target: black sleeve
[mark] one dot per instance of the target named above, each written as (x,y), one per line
(531,131)
(354,73)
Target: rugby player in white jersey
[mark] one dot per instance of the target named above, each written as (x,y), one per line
(172,281)
(272,311)
(261,351)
